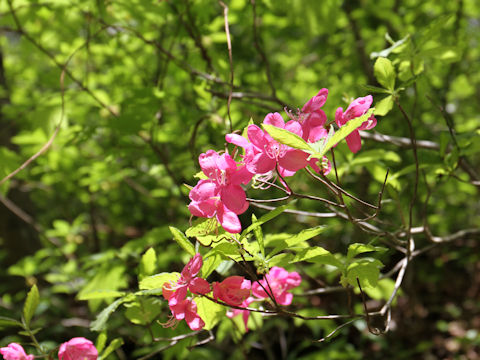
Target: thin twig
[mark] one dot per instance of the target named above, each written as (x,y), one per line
(230,60)
(336,330)
(297,212)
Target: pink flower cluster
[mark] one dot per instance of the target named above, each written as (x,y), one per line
(234,291)
(274,285)
(77,348)
(221,195)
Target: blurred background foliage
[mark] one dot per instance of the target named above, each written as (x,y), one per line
(146,85)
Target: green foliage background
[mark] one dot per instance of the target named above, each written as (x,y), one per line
(145,89)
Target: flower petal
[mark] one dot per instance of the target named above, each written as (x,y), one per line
(204,208)
(234,198)
(229,220)
(204,190)
(274,119)
(354,141)
(261,164)
(199,286)
(237,140)
(293,160)
(257,137)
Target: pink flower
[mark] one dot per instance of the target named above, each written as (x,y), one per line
(187,309)
(221,194)
(277,282)
(357,108)
(245,313)
(15,351)
(233,290)
(176,293)
(313,118)
(78,348)
(263,153)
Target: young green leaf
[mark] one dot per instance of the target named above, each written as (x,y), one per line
(210,312)
(148,264)
(317,255)
(101,341)
(114,345)
(384,106)
(31,304)
(210,263)
(286,137)
(207,231)
(343,132)
(385,73)
(143,310)
(367,270)
(263,219)
(157,281)
(6,322)
(100,294)
(397,46)
(358,248)
(299,238)
(182,240)
(100,322)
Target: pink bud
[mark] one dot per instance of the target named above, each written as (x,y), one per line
(78,348)
(15,351)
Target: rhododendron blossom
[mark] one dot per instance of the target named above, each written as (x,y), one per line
(313,118)
(233,290)
(357,108)
(277,283)
(15,351)
(78,348)
(187,309)
(176,293)
(221,194)
(263,154)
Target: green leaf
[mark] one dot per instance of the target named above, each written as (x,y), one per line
(101,341)
(367,271)
(100,322)
(397,45)
(143,311)
(258,235)
(286,137)
(375,89)
(206,231)
(6,322)
(182,240)
(157,281)
(342,133)
(263,219)
(384,106)
(317,255)
(148,264)
(114,345)
(385,73)
(100,294)
(31,304)
(210,263)
(299,238)
(29,333)
(210,312)
(282,260)
(382,291)
(358,248)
